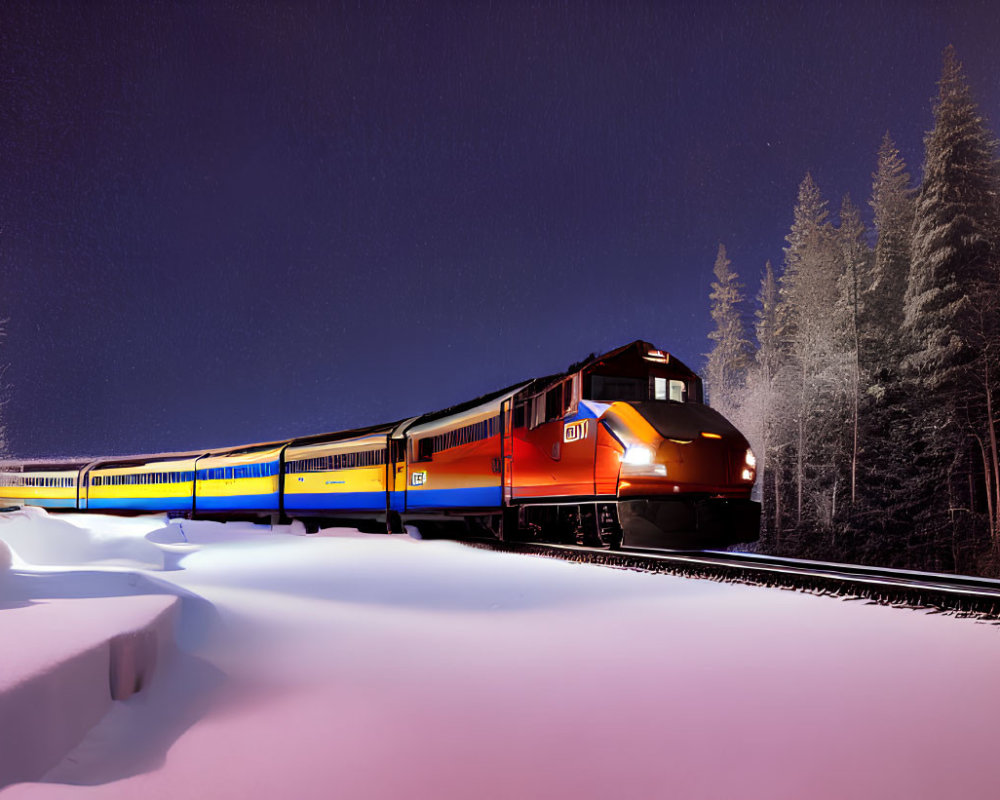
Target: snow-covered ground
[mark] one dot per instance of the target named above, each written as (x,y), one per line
(356,666)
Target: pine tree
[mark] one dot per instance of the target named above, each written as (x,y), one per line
(954,233)
(950,316)
(808,328)
(856,267)
(892,202)
(730,357)
(765,407)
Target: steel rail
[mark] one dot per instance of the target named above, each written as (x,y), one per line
(961,595)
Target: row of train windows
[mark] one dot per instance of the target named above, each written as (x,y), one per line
(468,434)
(363,458)
(141,478)
(48,483)
(268,470)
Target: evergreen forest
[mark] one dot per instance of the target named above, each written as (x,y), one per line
(868,379)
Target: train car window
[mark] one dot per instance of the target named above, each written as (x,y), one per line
(537,416)
(554,402)
(678,391)
(659,388)
(398,450)
(425,449)
(608,388)
(520,412)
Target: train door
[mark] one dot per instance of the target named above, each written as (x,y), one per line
(507,450)
(395,478)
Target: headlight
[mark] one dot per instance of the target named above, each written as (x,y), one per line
(751,459)
(638,455)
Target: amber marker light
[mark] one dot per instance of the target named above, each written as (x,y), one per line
(708,435)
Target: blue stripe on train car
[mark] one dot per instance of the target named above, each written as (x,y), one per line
(141,503)
(48,502)
(397,501)
(335,501)
(472,497)
(239,502)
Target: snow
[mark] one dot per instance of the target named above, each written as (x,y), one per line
(365,666)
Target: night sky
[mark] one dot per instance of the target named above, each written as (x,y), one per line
(228,222)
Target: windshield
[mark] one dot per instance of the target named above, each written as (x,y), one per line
(608,388)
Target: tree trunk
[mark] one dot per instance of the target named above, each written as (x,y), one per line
(857,384)
(802,434)
(991,424)
(777,503)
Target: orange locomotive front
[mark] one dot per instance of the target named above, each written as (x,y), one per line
(620,450)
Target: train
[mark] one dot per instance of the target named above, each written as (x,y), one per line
(619,450)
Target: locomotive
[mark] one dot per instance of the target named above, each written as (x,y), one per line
(618,450)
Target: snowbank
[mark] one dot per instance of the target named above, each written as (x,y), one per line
(73,539)
(73,657)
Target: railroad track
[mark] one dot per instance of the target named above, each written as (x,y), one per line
(961,595)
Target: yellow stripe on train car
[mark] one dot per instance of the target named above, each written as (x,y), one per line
(225,487)
(151,490)
(356,479)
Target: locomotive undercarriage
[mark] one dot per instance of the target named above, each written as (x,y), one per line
(698,521)
(586,524)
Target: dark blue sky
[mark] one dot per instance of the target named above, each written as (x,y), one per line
(228,222)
